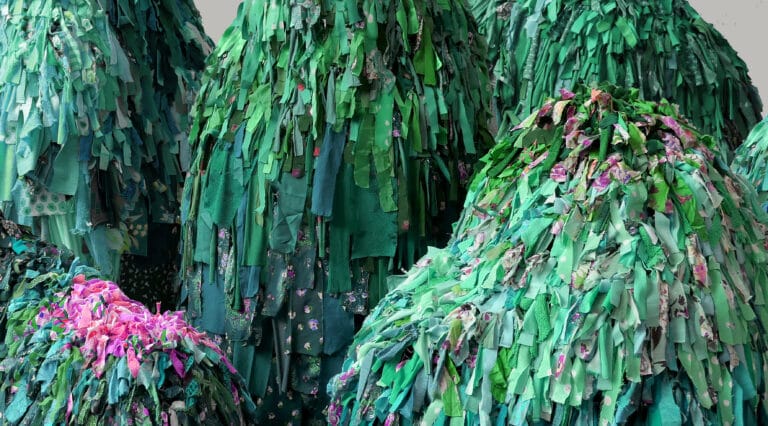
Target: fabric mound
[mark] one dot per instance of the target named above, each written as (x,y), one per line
(332,142)
(608,269)
(664,48)
(95,101)
(77,351)
(752,161)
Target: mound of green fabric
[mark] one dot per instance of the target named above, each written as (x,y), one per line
(608,269)
(664,48)
(94,101)
(75,350)
(332,142)
(752,160)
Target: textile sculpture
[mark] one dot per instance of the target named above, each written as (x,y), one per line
(75,350)
(332,142)
(608,268)
(664,48)
(95,100)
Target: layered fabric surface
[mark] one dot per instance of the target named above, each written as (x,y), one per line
(333,141)
(77,351)
(752,161)
(608,269)
(95,100)
(664,48)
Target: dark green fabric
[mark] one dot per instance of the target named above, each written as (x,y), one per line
(664,48)
(592,279)
(95,102)
(345,128)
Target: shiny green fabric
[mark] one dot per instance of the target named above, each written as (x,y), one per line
(751,161)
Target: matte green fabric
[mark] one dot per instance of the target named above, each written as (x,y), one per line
(664,48)
(752,161)
(94,120)
(345,128)
(609,268)
(51,374)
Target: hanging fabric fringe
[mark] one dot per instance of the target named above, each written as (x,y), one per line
(664,48)
(752,161)
(94,101)
(608,269)
(332,143)
(77,351)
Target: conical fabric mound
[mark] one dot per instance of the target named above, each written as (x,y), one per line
(95,99)
(664,48)
(608,269)
(752,160)
(77,351)
(332,142)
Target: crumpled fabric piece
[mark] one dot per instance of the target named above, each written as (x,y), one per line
(347,128)
(609,268)
(751,161)
(664,48)
(95,102)
(76,350)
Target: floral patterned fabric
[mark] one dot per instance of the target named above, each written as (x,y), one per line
(609,268)
(76,350)
(332,143)
(95,100)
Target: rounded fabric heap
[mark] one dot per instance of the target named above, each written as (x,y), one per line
(95,97)
(662,47)
(752,161)
(607,269)
(333,141)
(78,351)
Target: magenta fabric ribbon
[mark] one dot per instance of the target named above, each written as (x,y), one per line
(107,322)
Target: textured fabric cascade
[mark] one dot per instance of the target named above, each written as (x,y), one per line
(752,160)
(332,142)
(95,100)
(662,47)
(608,269)
(75,350)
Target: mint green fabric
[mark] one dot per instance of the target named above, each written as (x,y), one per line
(94,119)
(664,48)
(609,268)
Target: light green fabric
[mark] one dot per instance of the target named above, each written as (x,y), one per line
(608,268)
(664,48)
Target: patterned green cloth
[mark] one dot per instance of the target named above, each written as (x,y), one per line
(74,350)
(608,269)
(94,101)
(332,141)
(752,160)
(662,47)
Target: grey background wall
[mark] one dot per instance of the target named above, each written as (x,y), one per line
(740,21)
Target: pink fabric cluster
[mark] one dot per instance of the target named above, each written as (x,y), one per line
(103,321)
